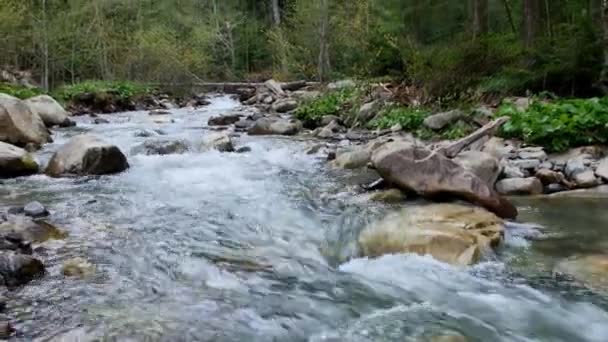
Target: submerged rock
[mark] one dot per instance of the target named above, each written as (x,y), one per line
(16,162)
(19,269)
(87,155)
(590,270)
(451,233)
(353,158)
(25,229)
(50,111)
(78,268)
(411,167)
(223,120)
(35,209)
(160,147)
(388,196)
(19,125)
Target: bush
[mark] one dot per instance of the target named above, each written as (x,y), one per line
(332,103)
(558,125)
(124,90)
(20,92)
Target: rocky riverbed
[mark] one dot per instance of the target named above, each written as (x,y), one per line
(162,227)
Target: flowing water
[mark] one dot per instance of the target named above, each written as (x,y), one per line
(208,246)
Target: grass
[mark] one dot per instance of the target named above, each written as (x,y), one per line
(332,103)
(20,92)
(123,89)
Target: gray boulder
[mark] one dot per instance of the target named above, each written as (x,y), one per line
(19,125)
(35,209)
(86,155)
(520,186)
(218,141)
(602,169)
(275,126)
(15,162)
(284,106)
(586,179)
(223,120)
(50,111)
(18,269)
(440,120)
(482,164)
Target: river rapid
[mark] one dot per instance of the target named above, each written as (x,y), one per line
(210,246)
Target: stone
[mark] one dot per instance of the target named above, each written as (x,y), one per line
(147,133)
(547,176)
(353,158)
(586,179)
(327,119)
(243,149)
(86,155)
(412,167)
(224,120)
(451,233)
(388,196)
(305,95)
(368,111)
(25,228)
(275,87)
(522,103)
(441,120)
(50,111)
(590,270)
(396,128)
(284,105)
(575,166)
(244,124)
(19,125)
(160,147)
(520,186)
(451,337)
(218,141)
(77,268)
(329,131)
(532,153)
(35,209)
(99,121)
(481,164)
(526,164)
(511,171)
(498,147)
(16,162)
(343,84)
(275,126)
(161,119)
(602,169)
(555,188)
(6,330)
(18,269)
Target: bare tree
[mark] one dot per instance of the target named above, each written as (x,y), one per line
(276,12)
(480,18)
(323,63)
(530,22)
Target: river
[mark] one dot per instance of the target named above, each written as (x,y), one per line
(252,247)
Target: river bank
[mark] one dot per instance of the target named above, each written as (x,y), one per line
(211,245)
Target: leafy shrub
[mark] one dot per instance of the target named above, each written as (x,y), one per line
(124,90)
(409,118)
(332,103)
(558,125)
(19,91)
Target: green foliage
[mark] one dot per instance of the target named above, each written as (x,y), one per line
(558,125)
(409,118)
(124,90)
(19,91)
(332,103)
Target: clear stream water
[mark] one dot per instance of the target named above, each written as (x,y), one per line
(249,247)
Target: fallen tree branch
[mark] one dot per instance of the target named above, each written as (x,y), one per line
(453,149)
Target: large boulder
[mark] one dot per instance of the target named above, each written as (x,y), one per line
(482,164)
(18,269)
(602,169)
(86,155)
(19,125)
(218,141)
(441,120)
(520,186)
(224,120)
(353,158)
(412,167)
(451,233)
(285,105)
(50,111)
(275,126)
(28,229)
(161,147)
(15,162)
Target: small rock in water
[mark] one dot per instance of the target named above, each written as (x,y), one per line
(224,120)
(243,149)
(19,269)
(35,209)
(99,121)
(555,188)
(388,196)
(159,112)
(6,330)
(78,268)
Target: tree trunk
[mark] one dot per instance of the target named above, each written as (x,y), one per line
(509,15)
(603,82)
(480,18)
(276,12)
(530,22)
(323,64)
(45,48)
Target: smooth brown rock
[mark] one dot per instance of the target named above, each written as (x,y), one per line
(19,125)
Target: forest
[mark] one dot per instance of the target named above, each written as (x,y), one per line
(445,48)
